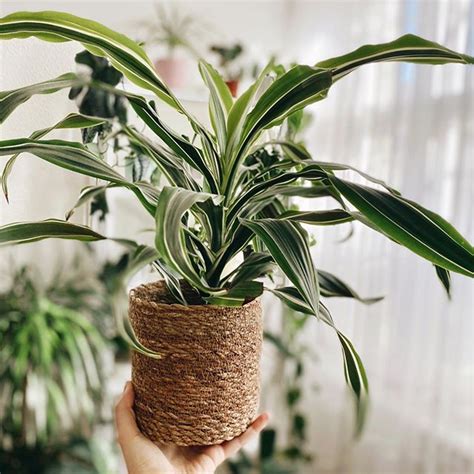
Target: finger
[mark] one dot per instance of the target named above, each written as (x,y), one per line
(219,453)
(127,428)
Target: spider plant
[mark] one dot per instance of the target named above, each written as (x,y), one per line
(50,382)
(222,200)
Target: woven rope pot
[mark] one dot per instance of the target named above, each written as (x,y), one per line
(205,388)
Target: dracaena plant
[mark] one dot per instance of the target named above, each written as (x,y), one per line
(223,193)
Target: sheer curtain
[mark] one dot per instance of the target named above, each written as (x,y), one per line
(412,126)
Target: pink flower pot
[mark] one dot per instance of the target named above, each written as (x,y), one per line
(173,71)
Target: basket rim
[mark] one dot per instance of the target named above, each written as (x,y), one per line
(194,308)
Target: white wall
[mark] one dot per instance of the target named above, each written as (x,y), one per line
(412,126)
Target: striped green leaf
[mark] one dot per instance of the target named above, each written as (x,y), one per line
(170,237)
(69,155)
(330,285)
(24,232)
(182,147)
(220,101)
(72,120)
(10,100)
(75,157)
(292,298)
(289,248)
(407,48)
(420,230)
(237,295)
(88,193)
(326,217)
(138,257)
(256,265)
(354,370)
(356,378)
(124,54)
(240,109)
(445,278)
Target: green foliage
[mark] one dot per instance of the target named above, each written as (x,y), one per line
(49,362)
(280,450)
(227,56)
(173,30)
(222,198)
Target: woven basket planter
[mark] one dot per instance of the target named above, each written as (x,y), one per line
(205,388)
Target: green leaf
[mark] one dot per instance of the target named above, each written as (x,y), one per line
(75,157)
(356,378)
(124,54)
(445,279)
(300,86)
(290,250)
(220,101)
(23,232)
(256,265)
(70,155)
(72,121)
(331,285)
(292,298)
(239,110)
(170,238)
(407,48)
(137,258)
(180,145)
(10,100)
(354,370)
(420,230)
(325,217)
(237,295)
(88,193)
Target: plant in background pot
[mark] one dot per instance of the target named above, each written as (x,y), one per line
(173,31)
(50,376)
(230,71)
(220,224)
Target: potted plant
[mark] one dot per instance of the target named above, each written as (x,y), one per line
(50,373)
(227,56)
(220,224)
(172,31)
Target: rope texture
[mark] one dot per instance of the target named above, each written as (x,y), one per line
(205,389)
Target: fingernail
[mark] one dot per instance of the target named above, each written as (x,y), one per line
(127,383)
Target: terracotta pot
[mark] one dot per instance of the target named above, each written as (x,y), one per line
(173,71)
(205,387)
(233,86)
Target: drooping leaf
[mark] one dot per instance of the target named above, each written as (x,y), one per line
(10,100)
(407,48)
(72,121)
(292,298)
(445,278)
(24,232)
(75,157)
(330,286)
(290,250)
(420,230)
(124,54)
(326,217)
(356,378)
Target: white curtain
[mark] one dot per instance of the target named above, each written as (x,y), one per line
(412,126)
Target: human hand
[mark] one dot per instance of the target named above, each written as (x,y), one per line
(144,457)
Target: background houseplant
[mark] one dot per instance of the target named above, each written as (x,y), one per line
(52,358)
(230,72)
(406,223)
(174,32)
